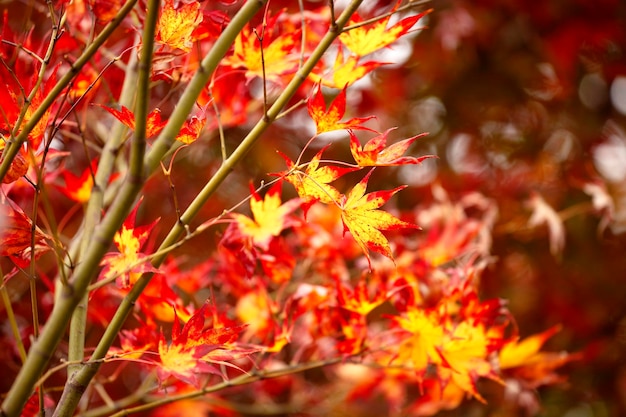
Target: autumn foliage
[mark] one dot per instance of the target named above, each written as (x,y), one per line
(203,213)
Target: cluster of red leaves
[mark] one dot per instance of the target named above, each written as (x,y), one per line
(301,277)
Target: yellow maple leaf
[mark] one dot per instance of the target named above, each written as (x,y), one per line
(363,40)
(421,348)
(127,265)
(278,57)
(346,71)
(465,353)
(360,215)
(314,183)
(176,24)
(269,216)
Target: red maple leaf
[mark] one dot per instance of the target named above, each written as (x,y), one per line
(328,119)
(196,350)
(374,153)
(154,123)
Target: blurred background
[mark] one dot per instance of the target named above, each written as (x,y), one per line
(527,100)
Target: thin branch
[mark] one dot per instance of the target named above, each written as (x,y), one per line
(16,142)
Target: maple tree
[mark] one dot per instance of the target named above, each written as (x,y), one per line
(155,251)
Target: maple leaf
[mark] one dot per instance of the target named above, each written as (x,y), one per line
(129,263)
(465,352)
(191,130)
(425,336)
(78,188)
(360,215)
(154,124)
(195,350)
(314,184)
(177,23)
(525,362)
(363,40)
(518,353)
(270,216)
(374,152)
(278,57)
(346,72)
(11,103)
(358,300)
(16,230)
(327,120)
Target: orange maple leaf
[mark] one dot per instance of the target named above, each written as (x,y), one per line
(78,188)
(154,123)
(465,357)
(191,130)
(314,183)
(279,57)
(195,350)
(327,120)
(270,216)
(525,362)
(360,215)
(346,72)
(127,265)
(364,40)
(374,152)
(177,23)
(358,299)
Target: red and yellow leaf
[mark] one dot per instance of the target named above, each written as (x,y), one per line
(127,265)
(346,72)
(374,152)
(360,215)
(364,40)
(327,120)
(78,188)
(16,230)
(314,183)
(154,123)
(196,350)
(279,56)
(191,130)
(270,216)
(177,23)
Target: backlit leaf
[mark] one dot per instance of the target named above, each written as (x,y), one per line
(346,71)
(360,215)
(195,350)
(314,183)
(364,40)
(154,123)
(279,55)
(127,265)
(374,152)
(270,216)
(177,23)
(16,230)
(191,130)
(328,120)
